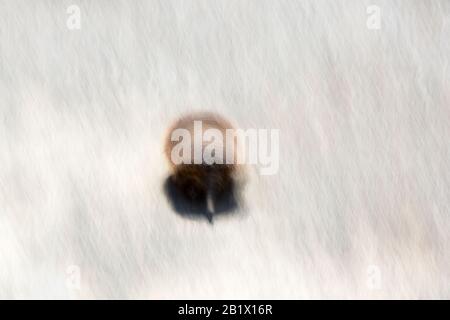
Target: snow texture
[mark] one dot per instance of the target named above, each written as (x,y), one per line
(360,206)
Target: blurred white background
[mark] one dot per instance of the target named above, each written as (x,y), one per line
(360,207)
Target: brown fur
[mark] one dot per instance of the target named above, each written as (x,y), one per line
(196,180)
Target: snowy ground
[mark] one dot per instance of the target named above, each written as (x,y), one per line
(360,207)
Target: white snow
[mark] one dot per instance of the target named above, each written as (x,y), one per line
(360,207)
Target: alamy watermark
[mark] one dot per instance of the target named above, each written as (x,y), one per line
(373,280)
(73,277)
(228,146)
(74,19)
(374,17)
